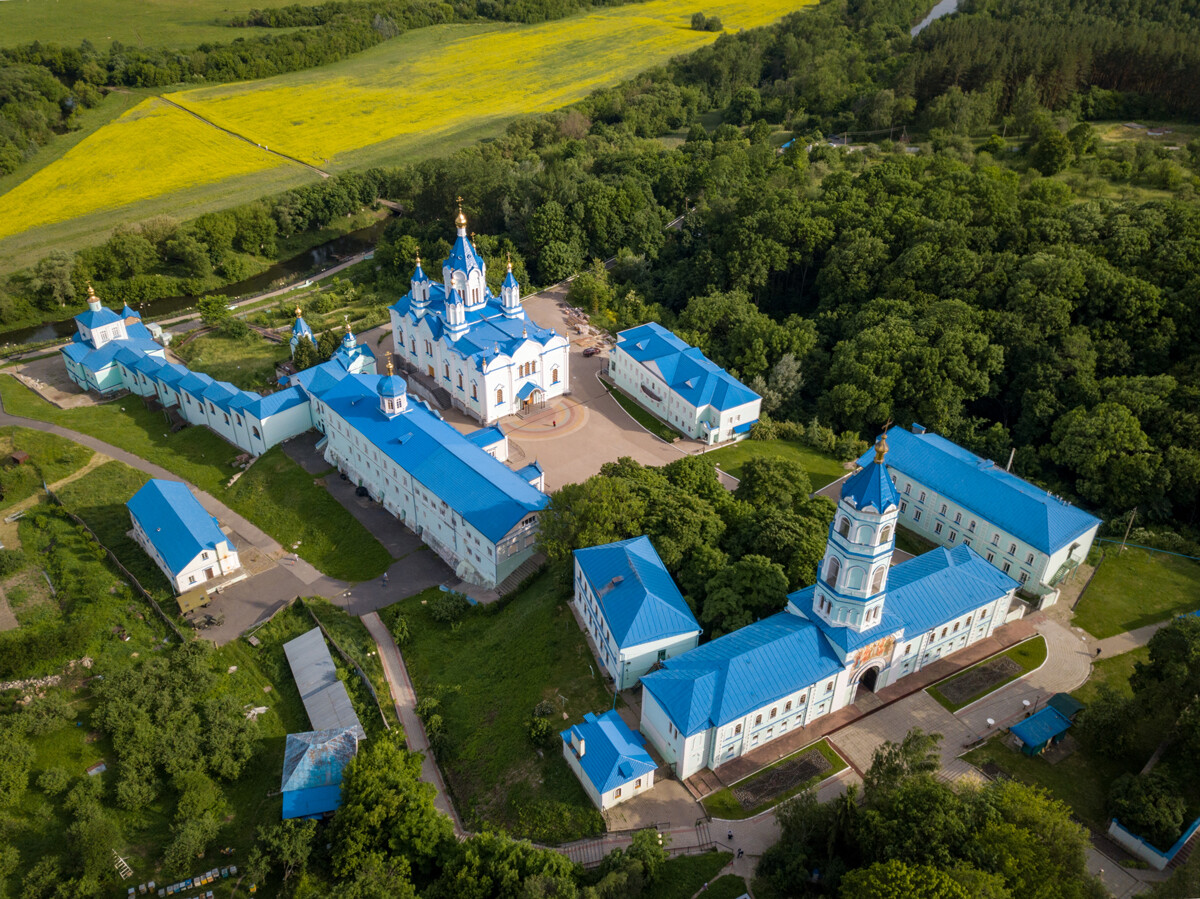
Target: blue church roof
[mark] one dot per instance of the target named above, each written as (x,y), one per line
(871,487)
(509,280)
(613,755)
(637,596)
(313,764)
(731,676)
(97,318)
(485,492)
(485,437)
(463,257)
(1020,508)
(175,522)
(688,372)
(300,329)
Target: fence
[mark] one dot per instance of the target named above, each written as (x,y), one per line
(1138,847)
(349,661)
(124,571)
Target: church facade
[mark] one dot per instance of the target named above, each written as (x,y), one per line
(483,350)
(865,624)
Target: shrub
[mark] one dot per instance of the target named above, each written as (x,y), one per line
(449,608)
(699,20)
(234,328)
(426,707)
(543,709)
(541,731)
(400,629)
(1149,805)
(47,713)
(53,781)
(714,24)
(11,561)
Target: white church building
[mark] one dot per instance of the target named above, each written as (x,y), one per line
(483,350)
(864,625)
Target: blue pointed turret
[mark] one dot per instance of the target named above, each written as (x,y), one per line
(348,342)
(509,280)
(300,329)
(419,276)
(871,487)
(463,256)
(128,313)
(391,390)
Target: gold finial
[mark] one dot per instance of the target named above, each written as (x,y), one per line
(297,312)
(91,291)
(346,319)
(881,446)
(389,365)
(461,221)
(509,255)
(418,257)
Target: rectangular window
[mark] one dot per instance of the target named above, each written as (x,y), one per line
(953,536)
(1029,559)
(617,793)
(737,730)
(917,515)
(907,648)
(966,541)
(637,784)
(1007,566)
(829,687)
(922,497)
(903,506)
(991,557)
(937,528)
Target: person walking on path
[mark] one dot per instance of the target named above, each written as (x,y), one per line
(730,835)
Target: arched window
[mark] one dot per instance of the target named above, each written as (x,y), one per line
(863,536)
(400,336)
(855,577)
(474,391)
(254,431)
(886,535)
(533,367)
(460,381)
(831,572)
(446,366)
(554,376)
(844,527)
(877,580)
(414,344)
(499,394)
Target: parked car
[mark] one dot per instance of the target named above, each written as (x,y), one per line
(591,351)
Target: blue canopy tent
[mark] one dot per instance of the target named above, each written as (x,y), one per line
(1041,730)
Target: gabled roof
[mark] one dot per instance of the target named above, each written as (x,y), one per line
(637,596)
(324,696)
(1041,727)
(316,758)
(485,437)
(731,676)
(463,257)
(98,358)
(274,403)
(485,492)
(686,371)
(1020,508)
(613,755)
(175,522)
(942,584)
(871,487)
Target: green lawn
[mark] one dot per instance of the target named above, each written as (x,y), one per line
(1029,654)
(1113,671)
(248,362)
(1136,588)
(912,543)
(822,469)
(641,416)
(51,459)
(727,886)
(275,494)
(354,639)
(683,877)
(723,804)
(488,672)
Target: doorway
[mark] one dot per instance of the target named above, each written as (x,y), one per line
(869,679)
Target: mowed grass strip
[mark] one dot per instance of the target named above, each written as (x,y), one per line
(275,494)
(152,150)
(1137,587)
(1028,655)
(488,672)
(248,362)
(822,469)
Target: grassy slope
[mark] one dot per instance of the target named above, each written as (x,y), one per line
(51,458)
(1136,588)
(723,804)
(275,494)
(354,639)
(149,23)
(249,363)
(407,99)
(822,469)
(641,416)
(683,877)
(1029,655)
(489,672)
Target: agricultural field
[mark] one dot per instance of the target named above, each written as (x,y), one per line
(148,23)
(422,94)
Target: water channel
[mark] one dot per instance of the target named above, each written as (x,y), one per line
(943,8)
(309,261)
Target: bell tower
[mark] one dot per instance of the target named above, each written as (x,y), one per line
(852,580)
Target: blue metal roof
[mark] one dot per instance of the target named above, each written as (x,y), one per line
(484,491)
(613,755)
(311,803)
(300,329)
(392,385)
(175,522)
(637,596)
(1020,508)
(922,593)
(531,472)
(97,318)
(463,257)
(509,280)
(527,390)
(272,404)
(127,312)
(1041,727)
(98,358)
(731,676)
(685,370)
(871,487)
(419,275)
(485,436)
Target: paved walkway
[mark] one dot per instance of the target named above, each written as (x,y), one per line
(406,708)
(1130,640)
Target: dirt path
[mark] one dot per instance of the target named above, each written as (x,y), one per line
(405,699)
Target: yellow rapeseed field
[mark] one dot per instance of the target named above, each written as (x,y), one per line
(463,77)
(432,85)
(151,150)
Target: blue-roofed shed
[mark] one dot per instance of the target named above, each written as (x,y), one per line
(609,759)
(184,540)
(1040,730)
(631,608)
(313,763)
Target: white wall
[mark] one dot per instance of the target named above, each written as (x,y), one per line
(222,561)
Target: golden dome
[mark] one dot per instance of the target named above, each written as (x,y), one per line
(461,221)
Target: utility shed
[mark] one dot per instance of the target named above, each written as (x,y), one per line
(324,696)
(312,771)
(1041,730)
(1067,704)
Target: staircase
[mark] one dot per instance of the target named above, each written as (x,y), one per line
(527,568)
(703,783)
